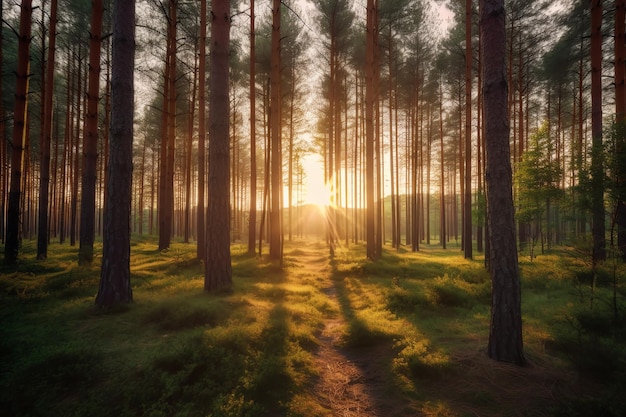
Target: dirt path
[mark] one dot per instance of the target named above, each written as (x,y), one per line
(360,381)
(352,382)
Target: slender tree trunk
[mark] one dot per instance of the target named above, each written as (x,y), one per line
(44,182)
(276,160)
(620,117)
(12,242)
(370,104)
(190,126)
(442,192)
(291,155)
(329,179)
(200,227)
(142,181)
(90,138)
(65,159)
(107,128)
(392,176)
(580,123)
(479,154)
(218,269)
(253,168)
(266,179)
(467,202)
(168,132)
(115,285)
(4,163)
(597,163)
(75,172)
(505,336)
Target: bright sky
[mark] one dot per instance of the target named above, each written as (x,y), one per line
(315,191)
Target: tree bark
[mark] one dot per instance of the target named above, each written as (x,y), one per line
(370,104)
(4,163)
(190,127)
(44,167)
(168,138)
(218,269)
(442,180)
(253,168)
(276,160)
(505,337)
(12,242)
(620,118)
(75,157)
(201,229)
(90,138)
(597,160)
(467,202)
(115,285)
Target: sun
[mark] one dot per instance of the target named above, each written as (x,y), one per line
(315,190)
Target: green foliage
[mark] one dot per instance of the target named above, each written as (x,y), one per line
(537,178)
(177,351)
(184,313)
(418,359)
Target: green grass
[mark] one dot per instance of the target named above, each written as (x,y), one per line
(177,351)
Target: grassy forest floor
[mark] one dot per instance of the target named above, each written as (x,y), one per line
(321,336)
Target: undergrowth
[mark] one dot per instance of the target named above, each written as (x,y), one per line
(177,351)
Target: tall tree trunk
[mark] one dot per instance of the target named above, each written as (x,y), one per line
(168,133)
(90,144)
(442,180)
(76,155)
(44,167)
(330,154)
(12,242)
(4,163)
(290,157)
(370,103)
(253,168)
(392,172)
(115,285)
(190,126)
(218,269)
(480,155)
(597,163)
(505,336)
(620,118)
(276,160)
(200,227)
(581,227)
(467,202)
(106,133)
(66,148)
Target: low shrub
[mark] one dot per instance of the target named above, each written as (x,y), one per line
(176,315)
(417,359)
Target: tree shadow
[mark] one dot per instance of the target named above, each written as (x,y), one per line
(371,352)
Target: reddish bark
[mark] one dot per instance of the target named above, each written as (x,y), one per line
(201,248)
(11,248)
(218,268)
(505,336)
(44,167)
(90,139)
(115,285)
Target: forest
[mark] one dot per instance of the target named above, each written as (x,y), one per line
(312,207)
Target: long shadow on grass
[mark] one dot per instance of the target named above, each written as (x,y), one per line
(370,350)
(272,385)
